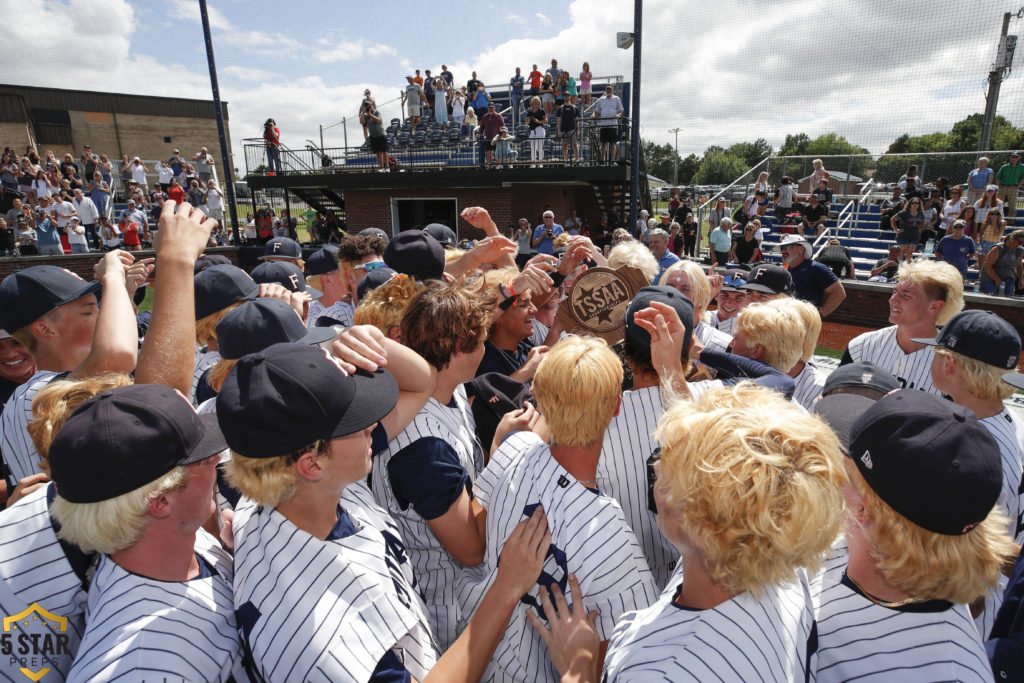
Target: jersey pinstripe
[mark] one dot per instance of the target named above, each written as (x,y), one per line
(436,571)
(313,610)
(712,338)
(808,386)
(859,640)
(204,361)
(339,310)
(913,370)
(19,452)
(622,474)
(34,568)
(143,629)
(728,325)
(589,537)
(743,639)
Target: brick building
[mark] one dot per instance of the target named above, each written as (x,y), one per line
(113,123)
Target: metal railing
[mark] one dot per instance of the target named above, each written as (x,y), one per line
(702,210)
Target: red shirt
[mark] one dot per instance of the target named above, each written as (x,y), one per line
(130,233)
(176,193)
(535,79)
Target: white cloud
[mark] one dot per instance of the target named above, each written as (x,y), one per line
(543,18)
(515,18)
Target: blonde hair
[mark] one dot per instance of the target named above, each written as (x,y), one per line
(453,255)
(941,282)
(54,403)
(578,371)
(928,565)
(206,327)
(778,328)
(25,335)
(811,323)
(753,481)
(982,380)
(561,241)
(700,288)
(315,281)
(219,372)
(632,253)
(112,525)
(268,481)
(817,164)
(383,307)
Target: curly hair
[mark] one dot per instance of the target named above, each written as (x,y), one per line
(54,403)
(753,481)
(933,566)
(940,281)
(632,253)
(383,307)
(444,318)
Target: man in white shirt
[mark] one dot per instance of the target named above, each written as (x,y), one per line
(62,211)
(204,165)
(607,112)
(138,170)
(215,202)
(89,215)
(166,173)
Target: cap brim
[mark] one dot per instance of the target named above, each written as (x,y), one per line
(840,412)
(211,444)
(933,341)
(375,396)
(1014,379)
(317,335)
(314,292)
(758,288)
(89,288)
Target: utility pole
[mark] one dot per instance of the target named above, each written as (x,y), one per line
(675,162)
(1000,70)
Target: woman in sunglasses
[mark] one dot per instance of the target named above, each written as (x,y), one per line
(908,224)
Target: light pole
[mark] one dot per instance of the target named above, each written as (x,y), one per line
(675,161)
(1000,70)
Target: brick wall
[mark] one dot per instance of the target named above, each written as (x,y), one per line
(16,135)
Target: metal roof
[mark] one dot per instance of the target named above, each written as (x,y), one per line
(87,100)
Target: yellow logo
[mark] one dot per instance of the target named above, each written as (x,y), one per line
(33,649)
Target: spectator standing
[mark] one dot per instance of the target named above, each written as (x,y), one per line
(176,192)
(544,234)
(47,235)
(547,93)
(215,202)
(569,129)
(819,172)
(1002,269)
(908,225)
(784,198)
(99,192)
(956,249)
(978,180)
(585,78)
(471,87)
(515,85)
(823,192)
(27,240)
(428,90)
(165,174)
(523,237)
(890,207)
(481,99)
(689,229)
(987,204)
(744,247)
(88,161)
(555,72)
(448,76)
(952,208)
(138,174)
(536,78)
(720,241)
(110,235)
(441,94)
(106,170)
(536,118)
(607,113)
(204,165)
(1009,178)
(272,143)
(76,236)
(755,205)
(177,164)
(659,248)
(379,138)
(7,240)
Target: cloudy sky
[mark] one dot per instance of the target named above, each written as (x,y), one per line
(722,71)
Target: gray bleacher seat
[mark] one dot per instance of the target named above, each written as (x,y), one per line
(396,122)
(522,133)
(436,137)
(453,134)
(403,139)
(420,137)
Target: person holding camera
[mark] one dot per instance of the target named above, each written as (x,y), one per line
(272,141)
(544,235)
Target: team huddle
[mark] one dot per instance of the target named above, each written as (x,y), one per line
(313,473)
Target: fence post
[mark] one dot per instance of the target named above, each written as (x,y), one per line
(849,170)
(920,172)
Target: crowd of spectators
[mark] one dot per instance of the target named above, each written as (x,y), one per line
(51,207)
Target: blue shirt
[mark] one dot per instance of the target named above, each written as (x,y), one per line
(666,260)
(547,245)
(47,233)
(979,179)
(811,279)
(517,84)
(721,240)
(955,252)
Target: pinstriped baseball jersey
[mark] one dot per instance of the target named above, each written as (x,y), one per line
(35,568)
(727,326)
(913,370)
(143,629)
(339,310)
(859,640)
(313,610)
(712,338)
(204,361)
(743,639)
(435,569)
(622,474)
(808,386)
(19,452)
(589,537)
(1008,432)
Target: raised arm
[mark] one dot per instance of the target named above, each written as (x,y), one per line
(115,340)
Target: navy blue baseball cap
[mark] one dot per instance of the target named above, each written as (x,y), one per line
(289,395)
(221,285)
(284,273)
(863,374)
(637,335)
(323,260)
(929,459)
(29,294)
(128,437)
(417,254)
(375,232)
(281,247)
(209,260)
(443,234)
(981,335)
(255,325)
(840,411)
(769,278)
(373,280)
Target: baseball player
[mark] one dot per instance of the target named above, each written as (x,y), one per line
(689,278)
(927,295)
(748,490)
(283,249)
(324,589)
(767,281)
(891,601)
(730,299)
(218,290)
(160,603)
(805,372)
(577,388)
(54,314)
(972,351)
(425,479)
(338,273)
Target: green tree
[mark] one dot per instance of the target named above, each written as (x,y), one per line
(688,168)
(660,159)
(719,168)
(795,145)
(751,152)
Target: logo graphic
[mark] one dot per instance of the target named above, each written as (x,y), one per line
(866,459)
(597,302)
(33,638)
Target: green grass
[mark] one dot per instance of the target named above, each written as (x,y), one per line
(147,303)
(831,353)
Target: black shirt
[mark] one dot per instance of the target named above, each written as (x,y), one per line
(536,119)
(813,213)
(568,114)
(472,85)
(745,250)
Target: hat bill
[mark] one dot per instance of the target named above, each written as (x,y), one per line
(933,341)
(314,292)
(376,395)
(1014,379)
(758,288)
(317,335)
(210,445)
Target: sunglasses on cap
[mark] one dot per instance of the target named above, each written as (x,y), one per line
(371,266)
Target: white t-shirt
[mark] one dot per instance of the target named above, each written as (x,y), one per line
(75,237)
(165,174)
(950,211)
(139,174)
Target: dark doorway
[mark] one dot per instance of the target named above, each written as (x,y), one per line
(408,213)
